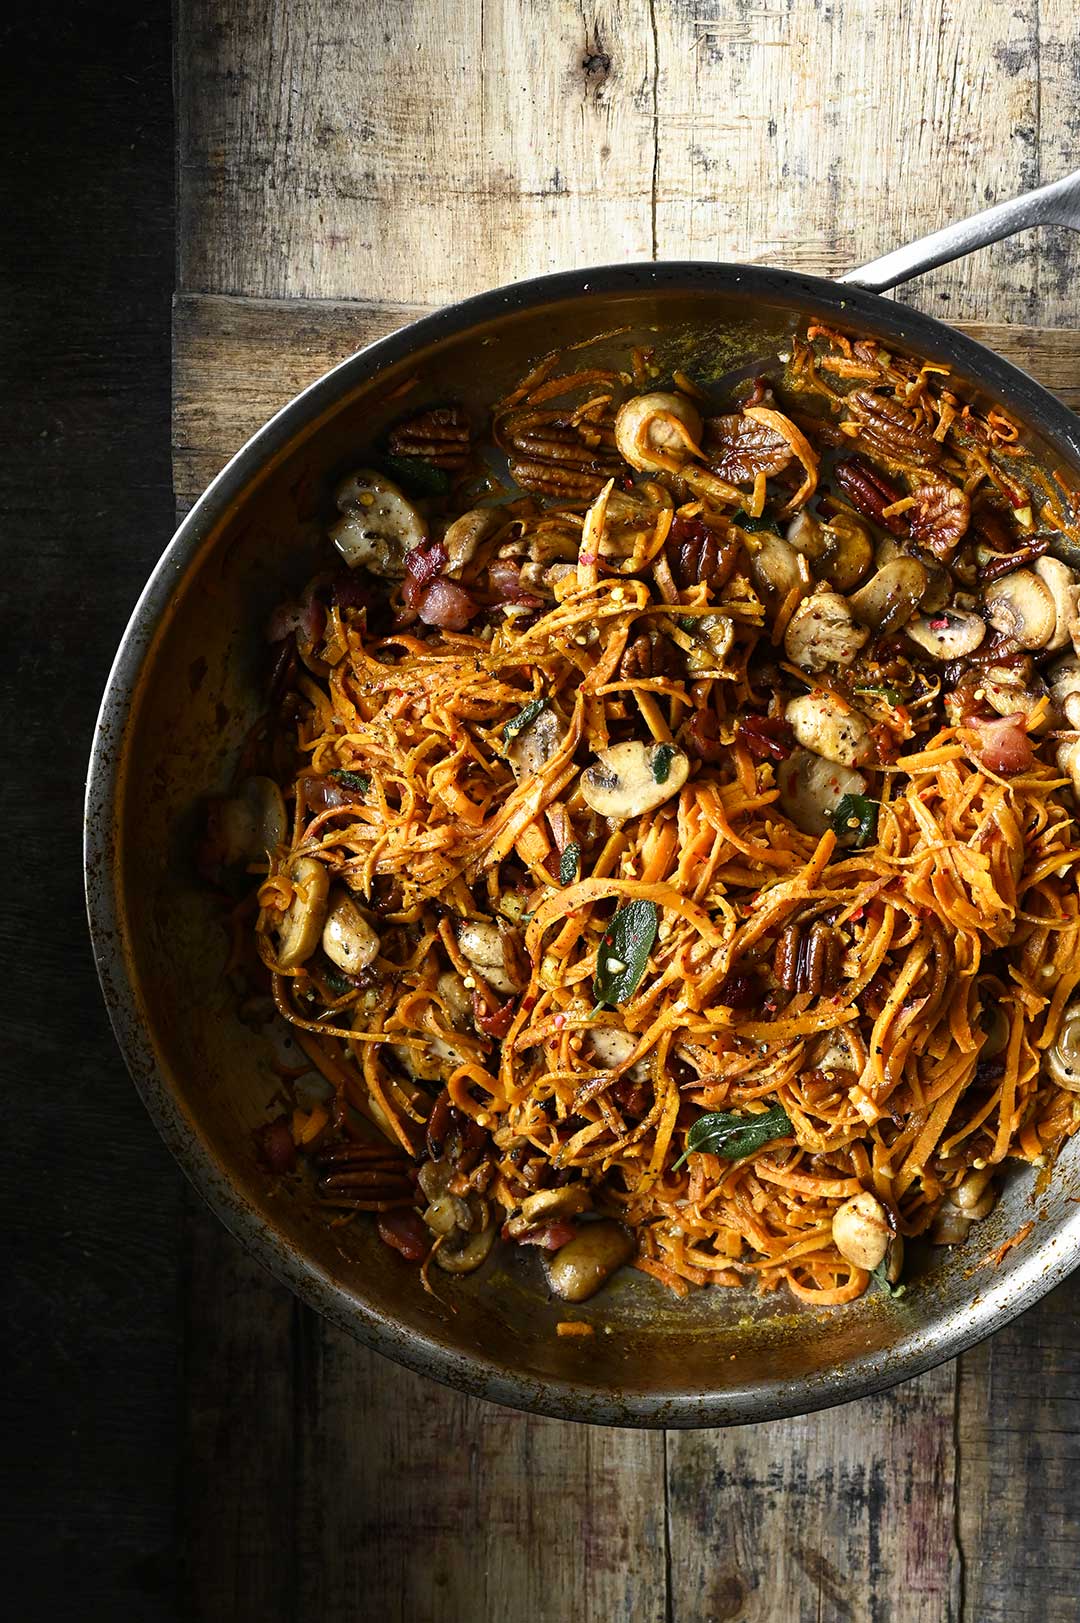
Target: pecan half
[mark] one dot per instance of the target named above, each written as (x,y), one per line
(699,553)
(869,492)
(650,654)
(893,428)
(370,1177)
(440,436)
(554,456)
(807,962)
(737,448)
(940,518)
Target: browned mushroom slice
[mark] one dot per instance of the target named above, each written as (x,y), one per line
(1022,607)
(466,534)
(811,789)
(949,634)
(823,723)
(1063,584)
(302,925)
(822,632)
(657,431)
(378,524)
(891,597)
(628,780)
(1063,1059)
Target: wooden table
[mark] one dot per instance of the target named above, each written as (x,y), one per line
(401,156)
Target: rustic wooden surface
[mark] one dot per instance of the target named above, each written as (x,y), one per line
(400,156)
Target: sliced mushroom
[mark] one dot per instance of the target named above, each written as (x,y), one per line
(861,1231)
(612,1047)
(1063,584)
(1012,690)
(252,822)
(890,598)
(535,745)
(975,1194)
(628,780)
(578,1270)
(841,548)
(348,940)
(379,525)
(483,945)
(463,1252)
(1063,1059)
(939,582)
(822,632)
(1022,607)
(713,637)
(1064,680)
(653,430)
(949,634)
(951,1226)
(454,994)
(774,564)
(465,535)
(811,788)
(826,725)
(305,916)
(569,1201)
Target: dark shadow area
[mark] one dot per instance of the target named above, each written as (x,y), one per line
(91,1196)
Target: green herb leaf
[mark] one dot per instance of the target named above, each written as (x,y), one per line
(662,757)
(890,1289)
(624,952)
(568,864)
(754,526)
(337,982)
(687,623)
(352,780)
(884,691)
(417,477)
(731,1136)
(524,718)
(855,820)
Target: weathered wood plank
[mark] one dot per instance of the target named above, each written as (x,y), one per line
(417,1505)
(238,1515)
(488,144)
(845,1516)
(1018,1433)
(237,360)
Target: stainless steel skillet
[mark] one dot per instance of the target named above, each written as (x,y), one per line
(182,693)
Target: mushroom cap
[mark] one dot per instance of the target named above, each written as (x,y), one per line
(652,429)
(628,780)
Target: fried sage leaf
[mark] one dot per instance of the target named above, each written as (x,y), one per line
(524,718)
(624,952)
(568,864)
(415,476)
(886,1284)
(663,755)
(731,1136)
(855,820)
(352,780)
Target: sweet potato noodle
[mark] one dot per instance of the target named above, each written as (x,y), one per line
(666,847)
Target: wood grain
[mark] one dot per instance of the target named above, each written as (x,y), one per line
(841,1516)
(470,143)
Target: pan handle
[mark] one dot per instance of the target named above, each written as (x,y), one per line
(1056,204)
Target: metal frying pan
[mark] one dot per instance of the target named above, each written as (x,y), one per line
(182,693)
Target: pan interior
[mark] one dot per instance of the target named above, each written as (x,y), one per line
(210,1080)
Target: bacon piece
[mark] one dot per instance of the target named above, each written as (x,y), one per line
(1003,744)
(445,605)
(404,1231)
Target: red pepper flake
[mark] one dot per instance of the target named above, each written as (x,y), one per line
(940,624)
(859,913)
(559,1021)
(586,557)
